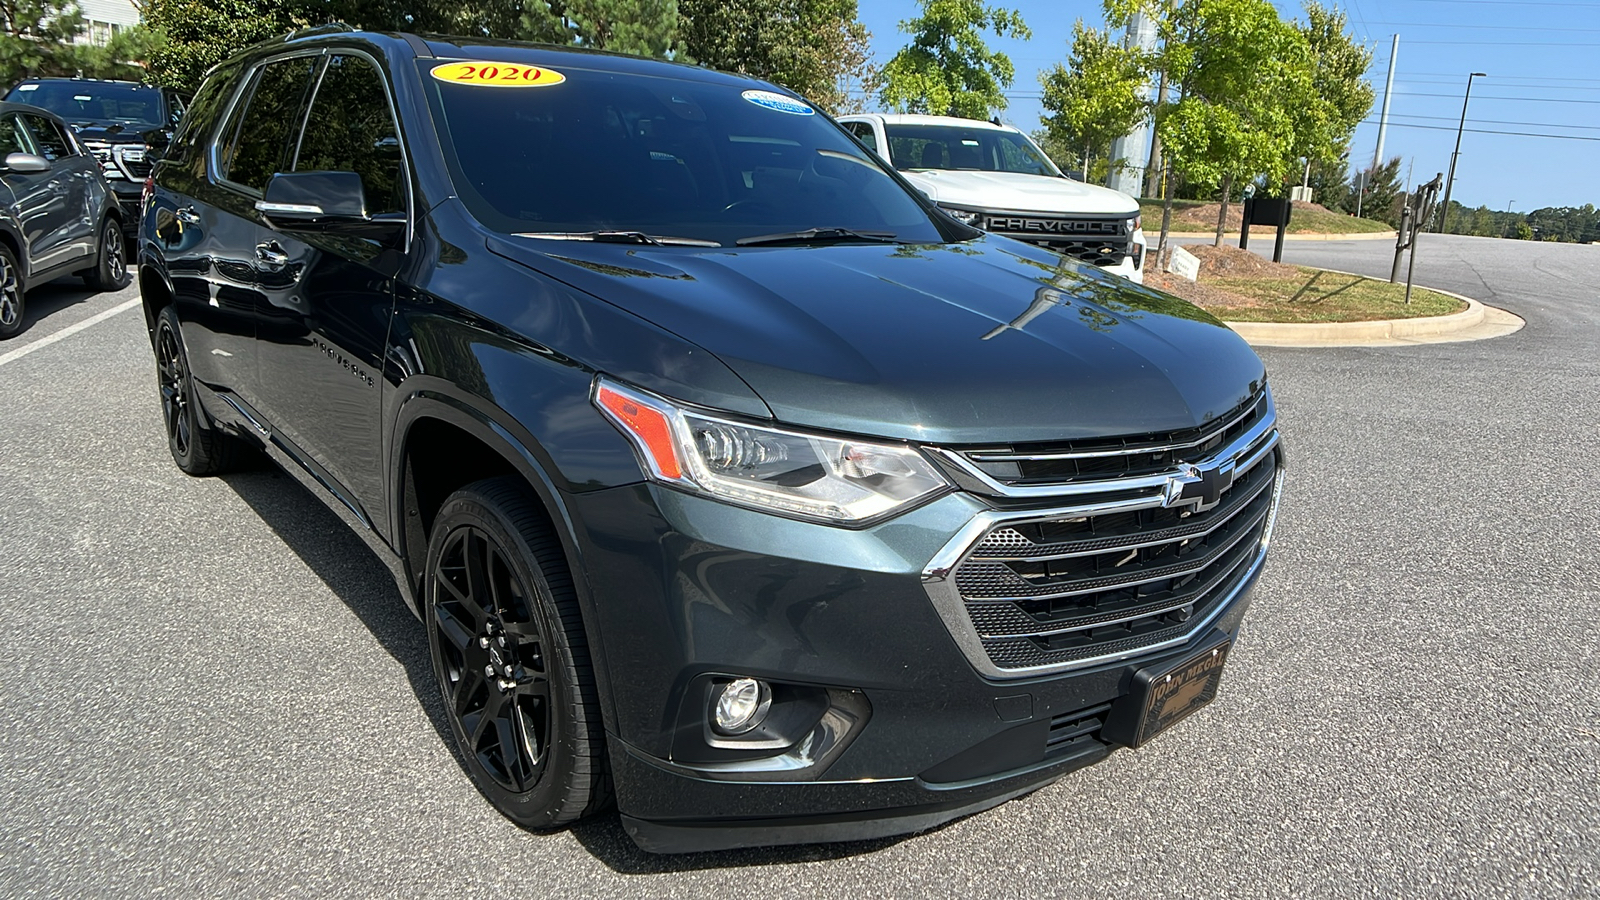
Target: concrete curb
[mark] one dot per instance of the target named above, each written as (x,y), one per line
(1476,322)
(1232,237)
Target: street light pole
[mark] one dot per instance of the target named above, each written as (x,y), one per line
(1444,218)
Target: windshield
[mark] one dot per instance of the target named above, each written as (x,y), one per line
(604,151)
(972,149)
(92,101)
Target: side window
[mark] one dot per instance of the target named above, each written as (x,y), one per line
(863,130)
(351,129)
(47,136)
(13,139)
(256,150)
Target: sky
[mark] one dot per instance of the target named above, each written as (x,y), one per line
(1539,56)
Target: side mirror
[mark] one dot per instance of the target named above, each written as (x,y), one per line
(322,201)
(26,163)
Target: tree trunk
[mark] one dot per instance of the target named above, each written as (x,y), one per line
(1152,169)
(1166,222)
(1222,213)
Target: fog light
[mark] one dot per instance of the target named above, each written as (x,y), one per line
(740,705)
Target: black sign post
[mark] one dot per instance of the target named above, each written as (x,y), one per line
(1266,211)
(1414,217)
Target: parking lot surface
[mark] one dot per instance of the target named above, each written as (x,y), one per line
(213,689)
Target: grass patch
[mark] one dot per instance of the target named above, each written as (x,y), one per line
(1317,296)
(1189,217)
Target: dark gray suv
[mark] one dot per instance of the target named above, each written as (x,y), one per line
(732,481)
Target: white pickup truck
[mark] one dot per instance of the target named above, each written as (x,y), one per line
(995,178)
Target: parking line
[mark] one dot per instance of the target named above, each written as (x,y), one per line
(67,332)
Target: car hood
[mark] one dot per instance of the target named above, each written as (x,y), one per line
(114,133)
(1015,192)
(991,341)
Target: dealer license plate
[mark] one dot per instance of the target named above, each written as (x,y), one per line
(1163,696)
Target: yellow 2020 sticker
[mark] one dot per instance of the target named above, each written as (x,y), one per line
(497,74)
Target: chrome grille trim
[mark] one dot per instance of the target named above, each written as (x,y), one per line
(978,582)
(1253,444)
(1248,410)
(1133,579)
(952,607)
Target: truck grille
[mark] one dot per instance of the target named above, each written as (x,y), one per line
(1162,532)
(1103,242)
(119,161)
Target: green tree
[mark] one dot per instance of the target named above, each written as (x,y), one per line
(201,33)
(947,69)
(1097,97)
(816,48)
(1339,97)
(1380,194)
(1238,72)
(1524,231)
(37,39)
(639,27)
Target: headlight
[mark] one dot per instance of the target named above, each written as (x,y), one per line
(810,476)
(965,216)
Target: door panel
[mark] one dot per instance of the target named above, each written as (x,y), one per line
(330,296)
(49,204)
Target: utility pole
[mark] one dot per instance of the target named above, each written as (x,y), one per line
(1388,93)
(1444,218)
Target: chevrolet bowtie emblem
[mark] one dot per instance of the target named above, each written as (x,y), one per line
(1201,487)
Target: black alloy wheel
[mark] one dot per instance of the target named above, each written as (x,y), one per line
(11,296)
(196,450)
(110,271)
(510,657)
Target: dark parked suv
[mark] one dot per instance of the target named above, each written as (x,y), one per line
(120,122)
(731,480)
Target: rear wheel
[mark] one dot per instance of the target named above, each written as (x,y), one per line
(10,293)
(110,272)
(196,450)
(511,659)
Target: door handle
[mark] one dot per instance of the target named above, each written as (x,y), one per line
(272,255)
(186,215)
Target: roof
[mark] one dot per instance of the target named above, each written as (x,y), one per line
(945,121)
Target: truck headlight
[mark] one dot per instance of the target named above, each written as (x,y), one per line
(965,216)
(836,480)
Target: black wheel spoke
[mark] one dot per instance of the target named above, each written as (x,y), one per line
(461,635)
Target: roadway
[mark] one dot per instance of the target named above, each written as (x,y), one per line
(213,689)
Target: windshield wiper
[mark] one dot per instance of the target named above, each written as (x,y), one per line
(619,237)
(818,236)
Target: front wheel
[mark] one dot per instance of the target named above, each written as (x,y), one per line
(110,272)
(11,297)
(511,659)
(196,450)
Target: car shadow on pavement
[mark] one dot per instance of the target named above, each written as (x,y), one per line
(349,569)
(347,566)
(50,298)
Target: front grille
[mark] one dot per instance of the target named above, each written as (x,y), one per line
(1093,460)
(1158,534)
(1062,590)
(118,161)
(1103,242)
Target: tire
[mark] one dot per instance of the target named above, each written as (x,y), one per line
(197,450)
(110,272)
(11,293)
(498,594)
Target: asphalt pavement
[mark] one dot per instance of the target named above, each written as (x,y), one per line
(212,688)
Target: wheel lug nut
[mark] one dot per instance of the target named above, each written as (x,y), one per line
(483,642)
(502,640)
(509,671)
(488,671)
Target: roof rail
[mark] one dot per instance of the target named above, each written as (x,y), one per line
(329,28)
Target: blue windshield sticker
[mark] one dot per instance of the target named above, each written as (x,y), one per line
(778,103)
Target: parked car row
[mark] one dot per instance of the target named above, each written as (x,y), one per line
(74,156)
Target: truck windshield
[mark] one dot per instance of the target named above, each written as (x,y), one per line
(973,149)
(597,152)
(93,102)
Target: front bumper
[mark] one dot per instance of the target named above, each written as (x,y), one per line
(683,587)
